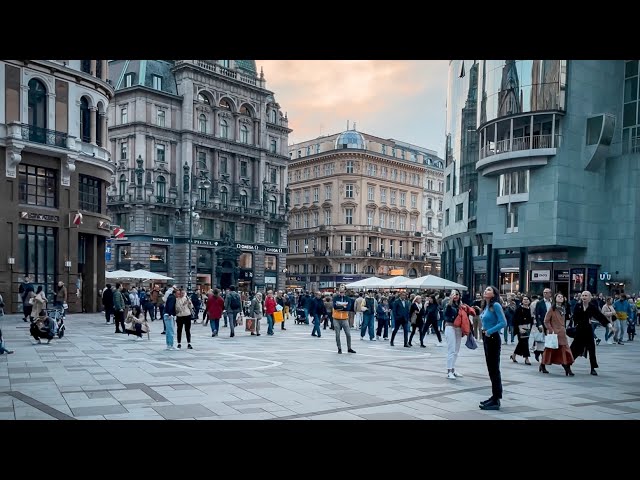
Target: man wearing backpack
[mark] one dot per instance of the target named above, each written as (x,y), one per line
(370,305)
(233,306)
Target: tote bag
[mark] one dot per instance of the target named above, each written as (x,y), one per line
(551,341)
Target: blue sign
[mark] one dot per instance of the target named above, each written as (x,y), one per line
(107,250)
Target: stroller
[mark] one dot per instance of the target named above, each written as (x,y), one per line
(57,315)
(300,316)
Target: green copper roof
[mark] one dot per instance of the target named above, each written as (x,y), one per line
(247,65)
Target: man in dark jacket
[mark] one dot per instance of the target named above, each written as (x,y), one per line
(233,306)
(118,308)
(401,315)
(107,302)
(317,310)
(543,305)
(169,317)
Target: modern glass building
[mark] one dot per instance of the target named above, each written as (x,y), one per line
(539,190)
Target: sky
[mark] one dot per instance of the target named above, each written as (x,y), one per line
(400,99)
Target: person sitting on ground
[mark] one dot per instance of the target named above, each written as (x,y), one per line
(43,327)
(135,324)
(3,347)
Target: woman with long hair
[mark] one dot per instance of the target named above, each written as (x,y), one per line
(256,310)
(554,322)
(523,322)
(184,309)
(493,320)
(583,342)
(452,333)
(39,301)
(416,314)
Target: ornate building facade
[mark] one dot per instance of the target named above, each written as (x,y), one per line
(199,190)
(53,140)
(357,210)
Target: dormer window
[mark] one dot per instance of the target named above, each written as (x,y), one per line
(156,82)
(128,79)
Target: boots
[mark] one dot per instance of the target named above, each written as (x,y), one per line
(567,370)
(543,369)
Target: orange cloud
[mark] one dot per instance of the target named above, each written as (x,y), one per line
(391,96)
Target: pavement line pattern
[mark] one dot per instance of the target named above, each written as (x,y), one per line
(44,408)
(351,408)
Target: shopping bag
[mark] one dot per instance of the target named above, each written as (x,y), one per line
(277,317)
(250,324)
(471,342)
(551,341)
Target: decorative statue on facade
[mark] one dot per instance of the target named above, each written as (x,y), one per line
(226,238)
(288,198)
(265,196)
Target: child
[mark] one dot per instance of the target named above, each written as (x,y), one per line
(538,339)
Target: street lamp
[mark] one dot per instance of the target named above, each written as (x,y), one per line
(203,182)
(306,266)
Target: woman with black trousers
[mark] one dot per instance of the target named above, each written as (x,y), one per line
(523,322)
(432,312)
(493,320)
(583,341)
(183,317)
(416,315)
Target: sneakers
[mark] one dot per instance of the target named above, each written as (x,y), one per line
(439,344)
(378,337)
(373,339)
(339,350)
(170,347)
(351,350)
(362,338)
(490,405)
(457,374)
(189,347)
(451,376)
(179,346)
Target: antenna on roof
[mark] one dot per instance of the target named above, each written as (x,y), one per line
(347,124)
(354,126)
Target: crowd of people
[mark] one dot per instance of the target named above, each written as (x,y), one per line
(542,325)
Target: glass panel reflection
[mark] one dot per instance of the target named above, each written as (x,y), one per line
(510,87)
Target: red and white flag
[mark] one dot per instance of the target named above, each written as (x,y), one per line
(118,232)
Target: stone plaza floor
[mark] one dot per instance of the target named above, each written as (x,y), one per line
(93,373)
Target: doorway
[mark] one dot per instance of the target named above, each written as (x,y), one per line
(226,275)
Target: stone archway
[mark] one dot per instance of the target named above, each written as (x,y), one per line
(227,269)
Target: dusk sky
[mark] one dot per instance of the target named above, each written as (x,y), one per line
(400,99)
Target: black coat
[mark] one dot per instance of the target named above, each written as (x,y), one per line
(583,339)
(107,298)
(523,317)
(419,314)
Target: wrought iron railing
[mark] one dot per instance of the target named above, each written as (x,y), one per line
(44,136)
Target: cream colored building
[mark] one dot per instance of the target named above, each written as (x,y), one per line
(356,209)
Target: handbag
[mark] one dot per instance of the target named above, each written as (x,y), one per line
(571,332)
(551,341)
(414,318)
(340,315)
(471,342)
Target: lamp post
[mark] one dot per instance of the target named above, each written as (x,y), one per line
(306,267)
(203,182)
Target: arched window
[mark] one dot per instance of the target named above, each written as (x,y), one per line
(203,123)
(203,194)
(244,134)
(225,104)
(243,199)
(245,111)
(413,273)
(203,98)
(85,120)
(224,128)
(122,188)
(37,105)
(273,116)
(161,189)
(224,196)
(273,204)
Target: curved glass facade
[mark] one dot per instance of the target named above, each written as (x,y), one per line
(509,87)
(350,139)
(462,136)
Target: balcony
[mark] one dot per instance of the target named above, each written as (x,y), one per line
(517,153)
(367,254)
(44,136)
(223,71)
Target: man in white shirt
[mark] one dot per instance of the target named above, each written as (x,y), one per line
(542,307)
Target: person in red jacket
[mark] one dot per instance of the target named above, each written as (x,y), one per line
(215,306)
(269,309)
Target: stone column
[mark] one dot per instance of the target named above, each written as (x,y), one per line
(255,181)
(236,128)
(93,119)
(256,132)
(214,121)
(93,67)
(103,122)
(105,66)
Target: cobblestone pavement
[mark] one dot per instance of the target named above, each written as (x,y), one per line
(93,373)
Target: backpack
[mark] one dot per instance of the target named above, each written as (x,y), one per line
(369,304)
(234,301)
